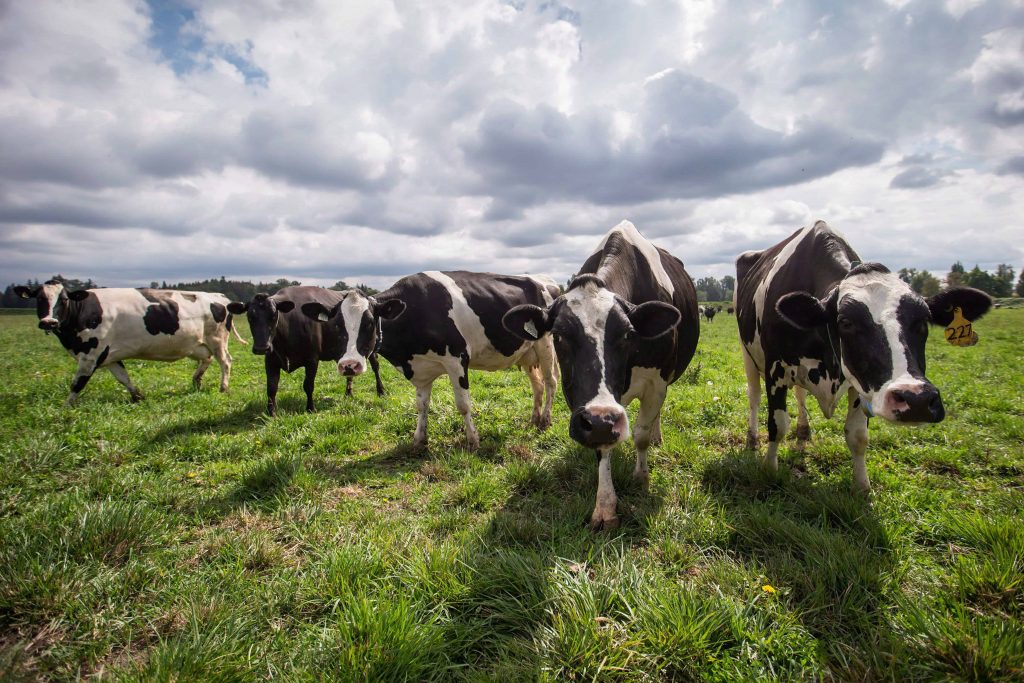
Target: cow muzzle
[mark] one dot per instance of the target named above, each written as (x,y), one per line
(913,403)
(261,350)
(599,426)
(48,324)
(350,368)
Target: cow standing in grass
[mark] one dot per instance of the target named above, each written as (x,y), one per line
(625,329)
(101,328)
(812,317)
(445,323)
(288,340)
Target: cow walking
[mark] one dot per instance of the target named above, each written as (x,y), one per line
(625,329)
(101,328)
(813,317)
(445,323)
(288,340)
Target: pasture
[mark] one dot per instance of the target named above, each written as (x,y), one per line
(189,537)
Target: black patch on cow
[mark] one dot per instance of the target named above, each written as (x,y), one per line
(464,379)
(102,357)
(490,298)
(913,317)
(80,383)
(219,312)
(161,316)
(75,317)
(865,349)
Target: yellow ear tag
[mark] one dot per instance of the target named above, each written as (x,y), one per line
(959,332)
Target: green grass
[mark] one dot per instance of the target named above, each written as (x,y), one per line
(189,537)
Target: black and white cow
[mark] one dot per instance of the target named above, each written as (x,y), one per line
(626,329)
(709,313)
(101,328)
(289,340)
(444,323)
(813,317)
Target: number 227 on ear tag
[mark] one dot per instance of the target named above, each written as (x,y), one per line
(959,331)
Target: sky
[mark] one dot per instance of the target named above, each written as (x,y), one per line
(319,141)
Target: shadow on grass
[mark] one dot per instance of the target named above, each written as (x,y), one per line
(819,542)
(238,420)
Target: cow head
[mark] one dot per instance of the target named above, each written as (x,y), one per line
(356,318)
(51,299)
(264,313)
(596,335)
(878,326)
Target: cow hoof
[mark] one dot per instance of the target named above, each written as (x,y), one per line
(642,479)
(599,522)
(803,432)
(136,398)
(542,423)
(751,442)
(473,443)
(419,445)
(223,390)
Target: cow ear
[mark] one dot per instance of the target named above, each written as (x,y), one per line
(528,322)
(390,309)
(801,310)
(26,293)
(654,319)
(285,306)
(317,311)
(78,294)
(237,307)
(973,303)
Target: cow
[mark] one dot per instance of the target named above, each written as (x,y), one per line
(288,340)
(709,313)
(445,323)
(730,310)
(625,329)
(814,317)
(101,328)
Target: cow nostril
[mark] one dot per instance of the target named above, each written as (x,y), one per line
(901,397)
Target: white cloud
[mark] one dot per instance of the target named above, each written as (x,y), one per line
(321,140)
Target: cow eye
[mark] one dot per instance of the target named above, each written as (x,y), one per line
(555,337)
(846,325)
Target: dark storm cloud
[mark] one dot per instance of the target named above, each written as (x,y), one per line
(917,177)
(693,141)
(1012,166)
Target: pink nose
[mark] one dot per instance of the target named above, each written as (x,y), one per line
(350,368)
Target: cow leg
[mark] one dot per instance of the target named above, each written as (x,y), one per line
(375,365)
(197,376)
(459,375)
(348,386)
(803,427)
(423,389)
(604,516)
(778,422)
(656,431)
(308,382)
(537,385)
(646,419)
(273,369)
(83,373)
(549,371)
(224,361)
(753,399)
(121,374)
(856,430)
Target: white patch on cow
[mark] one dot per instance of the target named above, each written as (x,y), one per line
(353,307)
(591,305)
(649,251)
(52,294)
(641,383)
(881,294)
(482,354)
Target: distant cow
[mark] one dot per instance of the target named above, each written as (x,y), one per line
(709,313)
(103,327)
(445,323)
(626,329)
(813,317)
(289,340)
(730,310)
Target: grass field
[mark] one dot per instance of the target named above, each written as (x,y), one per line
(188,537)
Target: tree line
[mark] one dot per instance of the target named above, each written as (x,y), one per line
(236,290)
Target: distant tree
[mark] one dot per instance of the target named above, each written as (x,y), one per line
(956,275)
(980,279)
(907,274)
(154,285)
(1003,280)
(711,288)
(340,286)
(367,289)
(1019,291)
(925,284)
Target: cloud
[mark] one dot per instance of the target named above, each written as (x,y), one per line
(321,140)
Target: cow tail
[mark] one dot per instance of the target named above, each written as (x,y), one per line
(231,327)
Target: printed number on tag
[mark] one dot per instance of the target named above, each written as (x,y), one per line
(959,332)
